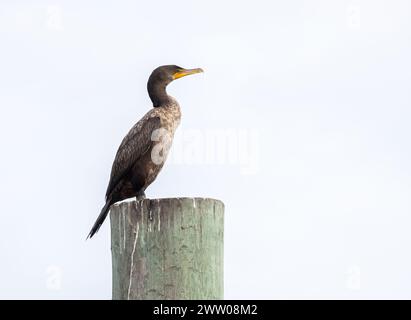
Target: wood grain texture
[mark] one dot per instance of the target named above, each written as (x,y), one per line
(167,249)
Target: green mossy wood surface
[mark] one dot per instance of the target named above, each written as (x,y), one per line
(167,249)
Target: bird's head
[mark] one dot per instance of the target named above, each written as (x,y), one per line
(165,74)
(161,77)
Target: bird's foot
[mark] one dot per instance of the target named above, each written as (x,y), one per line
(140,196)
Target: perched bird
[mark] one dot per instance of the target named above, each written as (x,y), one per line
(142,152)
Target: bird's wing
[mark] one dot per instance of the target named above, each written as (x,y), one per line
(135,144)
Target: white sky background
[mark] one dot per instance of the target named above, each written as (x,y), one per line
(323,85)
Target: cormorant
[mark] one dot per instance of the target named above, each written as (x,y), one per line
(144,149)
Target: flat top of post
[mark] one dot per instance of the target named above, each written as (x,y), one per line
(193,199)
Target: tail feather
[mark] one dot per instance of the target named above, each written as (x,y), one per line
(102,216)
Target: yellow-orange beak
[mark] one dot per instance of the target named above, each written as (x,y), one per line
(186,72)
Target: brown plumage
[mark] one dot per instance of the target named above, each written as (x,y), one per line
(142,152)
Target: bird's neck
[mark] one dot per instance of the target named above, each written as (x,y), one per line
(158,94)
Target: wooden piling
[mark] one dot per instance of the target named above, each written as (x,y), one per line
(167,249)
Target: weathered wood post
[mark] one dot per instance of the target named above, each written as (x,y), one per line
(167,249)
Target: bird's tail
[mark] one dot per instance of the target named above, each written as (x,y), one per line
(100,219)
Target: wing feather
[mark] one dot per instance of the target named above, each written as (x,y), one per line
(134,145)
